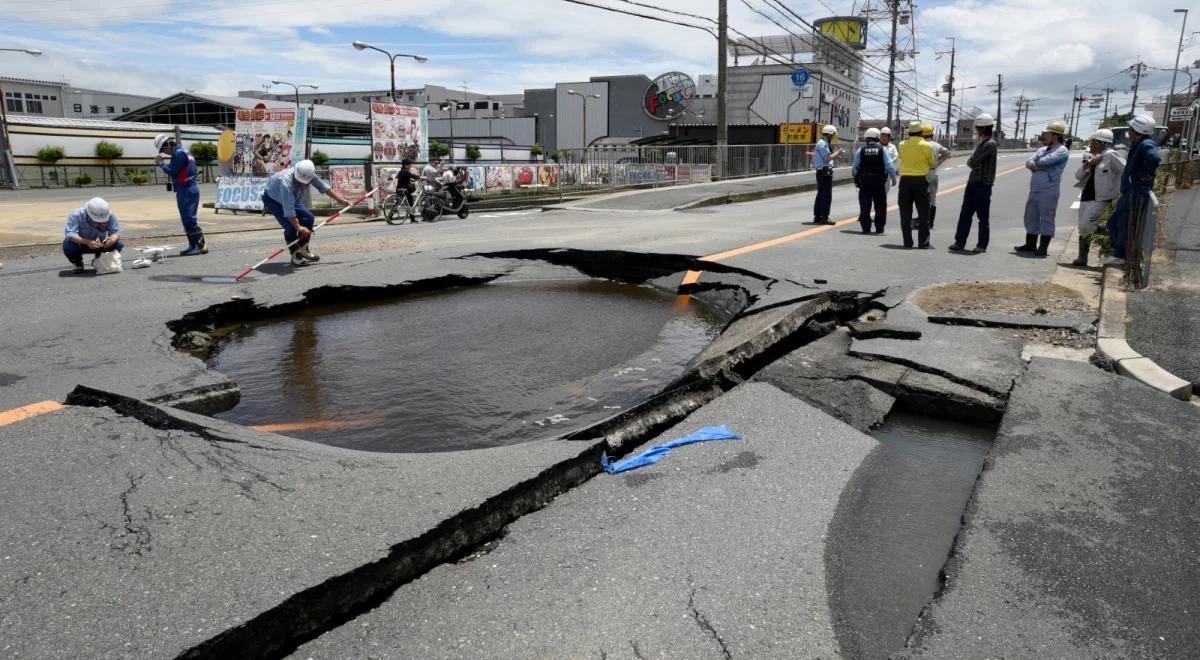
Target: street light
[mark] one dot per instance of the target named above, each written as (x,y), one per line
(360,45)
(584,97)
(1171,96)
(296,89)
(449,105)
(5,145)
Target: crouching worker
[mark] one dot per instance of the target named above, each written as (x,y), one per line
(283,198)
(92,230)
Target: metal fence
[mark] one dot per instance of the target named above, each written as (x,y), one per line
(75,176)
(729,162)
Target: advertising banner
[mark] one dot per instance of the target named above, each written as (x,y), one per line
(801,133)
(349,181)
(398,132)
(242,193)
(267,141)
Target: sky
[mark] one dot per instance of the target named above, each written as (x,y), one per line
(159,47)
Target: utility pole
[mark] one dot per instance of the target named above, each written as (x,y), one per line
(1025,126)
(1174,72)
(950,86)
(1020,108)
(1137,80)
(722,56)
(999,90)
(1075,99)
(895,7)
(1107,91)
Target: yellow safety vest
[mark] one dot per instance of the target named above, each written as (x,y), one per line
(916,157)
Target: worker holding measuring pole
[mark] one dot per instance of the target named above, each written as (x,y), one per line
(283,198)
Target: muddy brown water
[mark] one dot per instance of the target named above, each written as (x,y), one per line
(896,525)
(464,368)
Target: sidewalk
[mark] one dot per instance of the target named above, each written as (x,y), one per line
(1164,320)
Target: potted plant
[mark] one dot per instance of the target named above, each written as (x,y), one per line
(537,151)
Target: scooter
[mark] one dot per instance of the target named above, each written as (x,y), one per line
(439,199)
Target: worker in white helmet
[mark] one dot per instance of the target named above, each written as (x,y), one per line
(1047,167)
(92,230)
(823,161)
(885,141)
(1137,184)
(872,169)
(977,198)
(1099,175)
(180,165)
(284,199)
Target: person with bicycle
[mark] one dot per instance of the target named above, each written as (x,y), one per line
(405,185)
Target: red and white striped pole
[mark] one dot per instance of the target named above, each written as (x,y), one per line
(330,219)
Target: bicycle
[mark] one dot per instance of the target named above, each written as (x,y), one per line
(397,210)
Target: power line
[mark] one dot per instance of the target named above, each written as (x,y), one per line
(639,15)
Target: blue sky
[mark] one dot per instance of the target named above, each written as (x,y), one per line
(158,47)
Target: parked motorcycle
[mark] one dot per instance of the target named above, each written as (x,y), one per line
(439,198)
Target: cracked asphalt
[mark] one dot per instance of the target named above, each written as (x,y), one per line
(155,533)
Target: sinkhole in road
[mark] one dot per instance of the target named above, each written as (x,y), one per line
(896,526)
(463,368)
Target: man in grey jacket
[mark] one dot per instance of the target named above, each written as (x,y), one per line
(1100,177)
(977,198)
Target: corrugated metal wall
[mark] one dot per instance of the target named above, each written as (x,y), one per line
(569,118)
(516,130)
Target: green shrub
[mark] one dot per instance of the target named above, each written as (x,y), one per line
(139,179)
(50,154)
(53,176)
(84,179)
(437,149)
(473,152)
(204,152)
(319,158)
(108,151)
(556,155)
(536,150)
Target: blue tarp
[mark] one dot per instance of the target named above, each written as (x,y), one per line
(653,454)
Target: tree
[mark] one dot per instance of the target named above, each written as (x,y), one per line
(52,155)
(473,152)
(1116,120)
(437,149)
(536,150)
(108,152)
(204,153)
(319,158)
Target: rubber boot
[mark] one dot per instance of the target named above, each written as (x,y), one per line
(308,254)
(1084,245)
(298,257)
(932,215)
(1043,245)
(1030,244)
(196,245)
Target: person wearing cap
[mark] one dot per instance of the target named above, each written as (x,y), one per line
(872,170)
(823,159)
(1137,183)
(1047,167)
(916,159)
(93,230)
(284,199)
(940,154)
(885,141)
(1099,175)
(181,167)
(977,197)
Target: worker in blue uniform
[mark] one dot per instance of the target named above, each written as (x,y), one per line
(181,167)
(824,157)
(1047,166)
(1137,184)
(872,170)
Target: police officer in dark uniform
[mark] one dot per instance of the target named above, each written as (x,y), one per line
(872,169)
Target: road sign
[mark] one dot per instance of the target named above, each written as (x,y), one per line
(1181,113)
(800,77)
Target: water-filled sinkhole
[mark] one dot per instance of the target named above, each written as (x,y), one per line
(896,525)
(463,368)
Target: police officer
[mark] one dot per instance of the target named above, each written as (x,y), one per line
(823,158)
(181,167)
(940,154)
(1137,181)
(1047,166)
(916,159)
(873,170)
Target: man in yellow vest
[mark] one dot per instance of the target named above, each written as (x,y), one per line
(916,159)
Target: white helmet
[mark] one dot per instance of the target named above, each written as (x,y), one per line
(305,171)
(1103,135)
(97,210)
(1142,124)
(829,130)
(448,176)
(984,120)
(160,140)
(872,134)
(885,131)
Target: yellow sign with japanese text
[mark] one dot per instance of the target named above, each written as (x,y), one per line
(801,133)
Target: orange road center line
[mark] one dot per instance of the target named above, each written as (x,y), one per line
(693,276)
(25,412)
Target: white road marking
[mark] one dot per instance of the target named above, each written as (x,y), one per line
(509,214)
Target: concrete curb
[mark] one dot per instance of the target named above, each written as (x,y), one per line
(1111,343)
